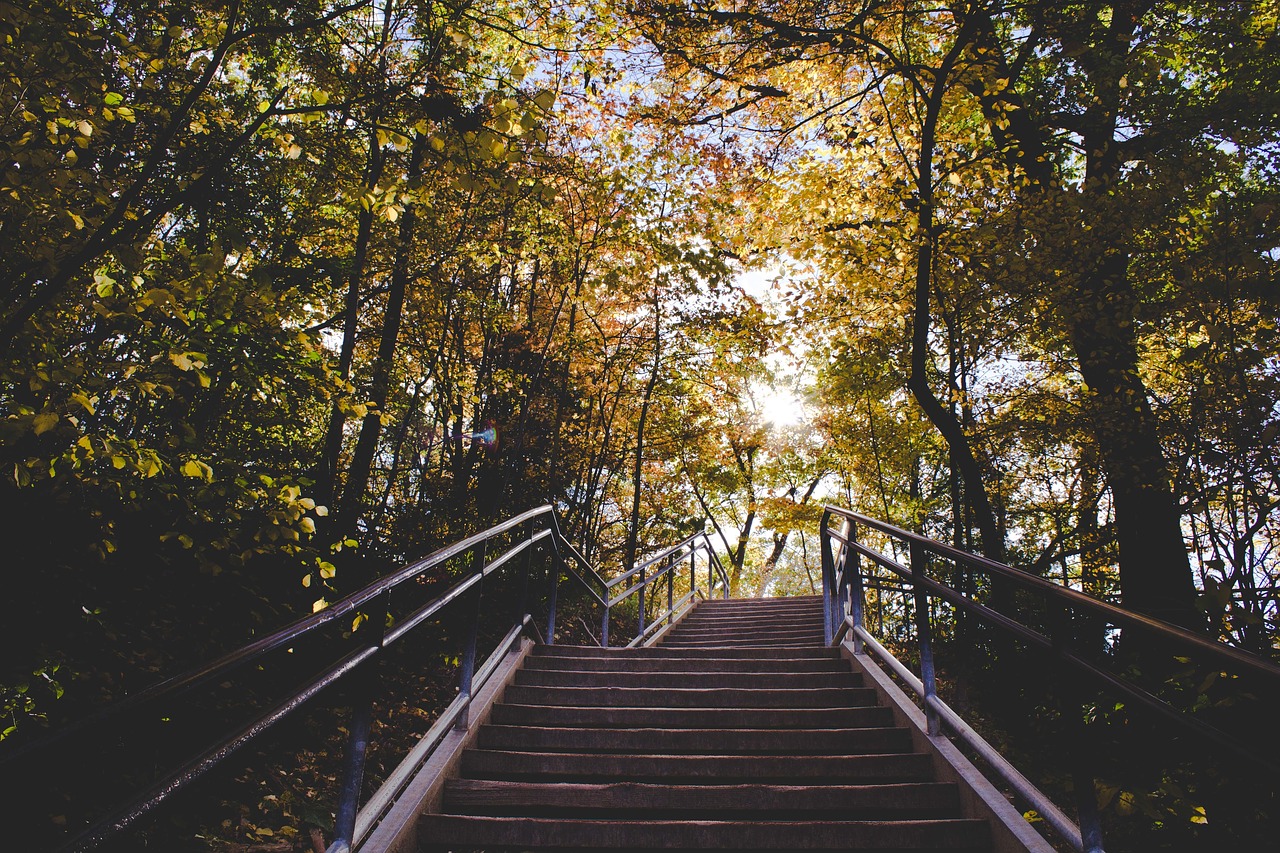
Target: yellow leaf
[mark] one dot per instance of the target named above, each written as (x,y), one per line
(191,468)
(85,128)
(318,605)
(306,580)
(44,422)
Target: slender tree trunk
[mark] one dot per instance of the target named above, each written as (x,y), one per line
(941,418)
(637,478)
(360,470)
(326,488)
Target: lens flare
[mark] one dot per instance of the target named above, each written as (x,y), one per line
(487,437)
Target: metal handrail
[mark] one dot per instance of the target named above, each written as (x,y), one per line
(540,527)
(669,561)
(843,587)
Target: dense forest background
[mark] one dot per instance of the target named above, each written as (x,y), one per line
(291,295)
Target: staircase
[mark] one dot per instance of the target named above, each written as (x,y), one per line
(739,730)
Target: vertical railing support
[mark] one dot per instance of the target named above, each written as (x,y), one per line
(553,575)
(924,636)
(362,684)
(523,608)
(828,575)
(857,595)
(640,598)
(1087,816)
(671,578)
(604,622)
(468,669)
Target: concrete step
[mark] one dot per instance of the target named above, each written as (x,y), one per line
(708,802)
(520,765)
(697,741)
(750,643)
(661,651)
(684,664)
(800,601)
(698,680)
(533,833)
(653,697)
(710,623)
(767,635)
(690,718)
(781,617)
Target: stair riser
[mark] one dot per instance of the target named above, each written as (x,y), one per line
(757,603)
(664,652)
(688,718)
(698,741)
(772,634)
(584,664)
(706,802)
(753,621)
(491,832)
(770,627)
(736,644)
(690,680)
(712,770)
(619,697)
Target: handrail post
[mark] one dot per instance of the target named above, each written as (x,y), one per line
(604,623)
(358,736)
(924,636)
(640,597)
(1087,816)
(828,569)
(711,578)
(857,595)
(553,574)
(671,577)
(693,570)
(523,607)
(468,668)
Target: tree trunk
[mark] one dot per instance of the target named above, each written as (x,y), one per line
(326,488)
(637,478)
(1155,573)
(938,415)
(358,473)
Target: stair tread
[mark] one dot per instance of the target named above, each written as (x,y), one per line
(758,718)
(663,651)
(685,697)
(685,664)
(740,730)
(906,797)
(944,834)
(696,741)
(711,769)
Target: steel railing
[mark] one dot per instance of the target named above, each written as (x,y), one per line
(519,539)
(844,584)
